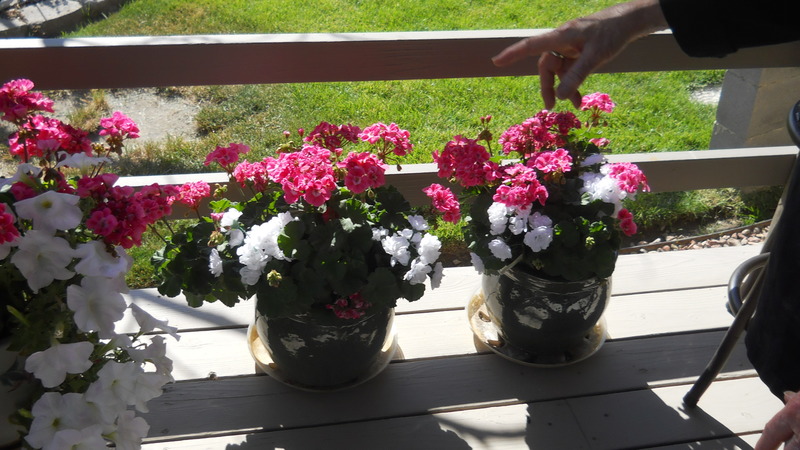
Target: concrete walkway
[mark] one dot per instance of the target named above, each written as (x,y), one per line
(51,18)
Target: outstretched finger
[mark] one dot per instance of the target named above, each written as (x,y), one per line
(572,78)
(531,46)
(549,65)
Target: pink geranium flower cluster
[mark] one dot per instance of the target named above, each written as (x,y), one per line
(545,130)
(330,136)
(520,187)
(313,171)
(466,161)
(395,139)
(306,174)
(191,193)
(17,101)
(226,157)
(629,177)
(119,126)
(122,214)
(364,171)
(444,201)
(597,102)
(44,136)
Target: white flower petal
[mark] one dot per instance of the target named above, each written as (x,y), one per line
(42,258)
(51,366)
(97,305)
(148,323)
(51,210)
(96,261)
(500,249)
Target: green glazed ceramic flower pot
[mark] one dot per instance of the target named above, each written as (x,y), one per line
(545,319)
(327,353)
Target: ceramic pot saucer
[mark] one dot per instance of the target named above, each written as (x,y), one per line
(487,333)
(264,361)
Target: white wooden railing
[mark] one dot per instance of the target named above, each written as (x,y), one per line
(128,62)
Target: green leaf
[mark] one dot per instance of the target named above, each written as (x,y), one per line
(381,287)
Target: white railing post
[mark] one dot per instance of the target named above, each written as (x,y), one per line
(753,107)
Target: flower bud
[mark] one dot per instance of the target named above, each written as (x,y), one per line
(274,278)
(216,239)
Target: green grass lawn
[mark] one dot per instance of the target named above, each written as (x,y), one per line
(654,111)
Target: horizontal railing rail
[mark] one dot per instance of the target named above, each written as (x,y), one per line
(125,62)
(156,61)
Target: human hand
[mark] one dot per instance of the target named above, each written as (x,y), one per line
(577,48)
(784,427)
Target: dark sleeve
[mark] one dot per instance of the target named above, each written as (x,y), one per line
(720,27)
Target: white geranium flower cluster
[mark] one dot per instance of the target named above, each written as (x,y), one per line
(399,246)
(601,186)
(260,246)
(537,229)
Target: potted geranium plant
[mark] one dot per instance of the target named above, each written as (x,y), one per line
(321,242)
(70,377)
(544,227)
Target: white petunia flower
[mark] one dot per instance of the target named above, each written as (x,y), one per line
(148,323)
(51,366)
(130,431)
(42,258)
(417,272)
(54,412)
(126,383)
(498,217)
(154,353)
(97,305)
(83,162)
(96,261)
(215,263)
(500,249)
(396,246)
(51,211)
(418,222)
(429,249)
(89,438)
(25,171)
(477,262)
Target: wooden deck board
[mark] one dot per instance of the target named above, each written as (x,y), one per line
(613,421)
(444,390)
